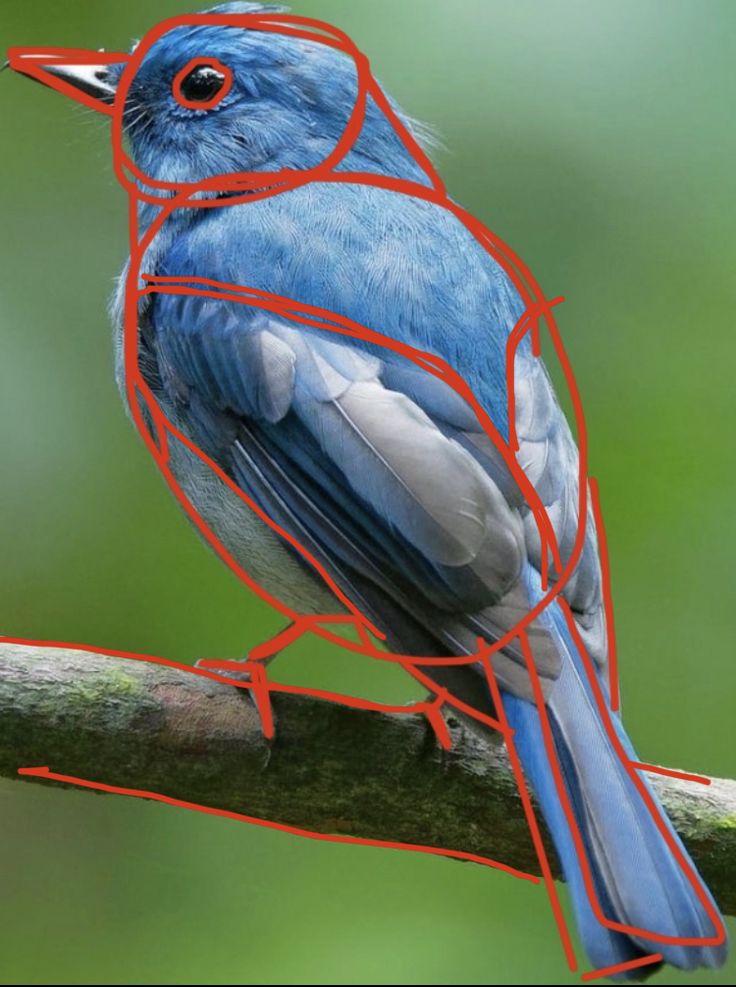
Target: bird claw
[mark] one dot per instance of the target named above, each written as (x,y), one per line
(250,677)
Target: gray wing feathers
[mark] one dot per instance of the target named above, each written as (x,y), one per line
(549,457)
(269,366)
(413,450)
(389,449)
(424,483)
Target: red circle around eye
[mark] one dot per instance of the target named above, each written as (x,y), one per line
(199,104)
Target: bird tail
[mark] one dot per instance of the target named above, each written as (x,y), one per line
(619,853)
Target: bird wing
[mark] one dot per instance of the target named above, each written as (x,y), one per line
(549,457)
(381,470)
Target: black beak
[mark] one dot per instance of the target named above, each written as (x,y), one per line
(84,76)
(93,80)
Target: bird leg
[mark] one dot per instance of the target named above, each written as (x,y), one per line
(303,624)
(436,723)
(250,676)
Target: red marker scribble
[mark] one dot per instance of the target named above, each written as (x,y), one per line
(45,773)
(245,188)
(202,104)
(671,772)
(612,971)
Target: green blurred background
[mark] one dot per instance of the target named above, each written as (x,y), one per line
(598,140)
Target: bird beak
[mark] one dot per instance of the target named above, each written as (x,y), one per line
(86,76)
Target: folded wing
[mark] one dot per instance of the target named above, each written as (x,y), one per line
(384,473)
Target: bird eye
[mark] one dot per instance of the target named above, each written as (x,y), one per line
(202,83)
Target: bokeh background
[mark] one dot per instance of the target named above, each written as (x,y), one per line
(599,140)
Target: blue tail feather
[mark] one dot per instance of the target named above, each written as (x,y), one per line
(638,881)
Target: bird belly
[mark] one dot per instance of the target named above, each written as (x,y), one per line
(252,543)
(262,555)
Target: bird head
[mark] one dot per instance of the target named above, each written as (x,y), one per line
(240,89)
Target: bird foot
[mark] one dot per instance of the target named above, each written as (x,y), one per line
(436,721)
(250,674)
(250,677)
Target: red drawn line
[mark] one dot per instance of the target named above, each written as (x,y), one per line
(564,800)
(97,650)
(611,971)
(46,774)
(670,772)
(253,668)
(531,818)
(613,685)
(719,931)
(262,693)
(287,25)
(489,721)
(207,669)
(222,92)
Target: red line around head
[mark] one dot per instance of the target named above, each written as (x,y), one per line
(302,28)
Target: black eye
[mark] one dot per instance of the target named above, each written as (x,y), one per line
(202,83)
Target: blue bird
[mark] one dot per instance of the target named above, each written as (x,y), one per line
(379,468)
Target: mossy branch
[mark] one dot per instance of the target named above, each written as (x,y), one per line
(331,769)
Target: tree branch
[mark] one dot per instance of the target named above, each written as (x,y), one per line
(332,769)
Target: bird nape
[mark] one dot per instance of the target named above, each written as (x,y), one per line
(417,467)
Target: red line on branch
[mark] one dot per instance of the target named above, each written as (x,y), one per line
(45,773)
(670,772)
